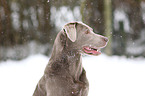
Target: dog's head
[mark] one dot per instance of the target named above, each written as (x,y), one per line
(82,38)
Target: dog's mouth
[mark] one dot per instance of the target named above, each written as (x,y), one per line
(91,51)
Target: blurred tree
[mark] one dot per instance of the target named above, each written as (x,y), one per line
(5,33)
(70,3)
(135,18)
(132,10)
(119,40)
(92,14)
(47,26)
(22,22)
(108,25)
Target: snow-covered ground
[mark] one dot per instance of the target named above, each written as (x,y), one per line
(108,76)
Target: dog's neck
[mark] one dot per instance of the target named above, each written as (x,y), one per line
(75,63)
(69,58)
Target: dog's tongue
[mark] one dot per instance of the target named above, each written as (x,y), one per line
(90,51)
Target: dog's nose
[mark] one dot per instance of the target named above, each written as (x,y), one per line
(106,39)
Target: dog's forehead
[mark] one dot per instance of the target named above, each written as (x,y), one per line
(85,26)
(81,23)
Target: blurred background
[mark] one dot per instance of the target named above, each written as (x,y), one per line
(29,27)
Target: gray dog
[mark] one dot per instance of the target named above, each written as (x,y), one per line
(64,75)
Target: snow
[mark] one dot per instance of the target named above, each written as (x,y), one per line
(108,76)
(115,76)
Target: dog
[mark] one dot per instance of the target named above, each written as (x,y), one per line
(64,74)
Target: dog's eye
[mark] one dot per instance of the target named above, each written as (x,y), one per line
(87,32)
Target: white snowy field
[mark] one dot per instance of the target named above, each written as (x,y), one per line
(108,76)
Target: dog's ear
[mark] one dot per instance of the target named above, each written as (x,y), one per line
(70,30)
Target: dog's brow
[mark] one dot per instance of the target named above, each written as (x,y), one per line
(91,28)
(86,26)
